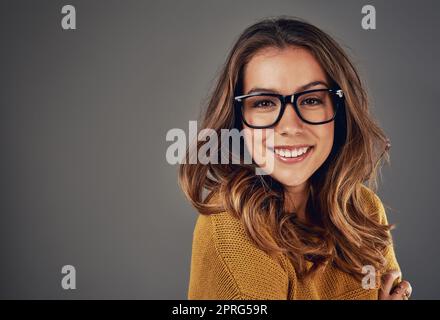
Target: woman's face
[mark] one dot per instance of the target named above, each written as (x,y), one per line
(287,71)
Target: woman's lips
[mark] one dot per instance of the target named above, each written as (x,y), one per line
(291,159)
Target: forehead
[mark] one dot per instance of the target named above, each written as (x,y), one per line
(282,69)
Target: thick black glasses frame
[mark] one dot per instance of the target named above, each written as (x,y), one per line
(293,98)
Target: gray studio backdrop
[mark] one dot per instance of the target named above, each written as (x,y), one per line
(84,116)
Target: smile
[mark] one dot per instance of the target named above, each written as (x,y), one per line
(292,154)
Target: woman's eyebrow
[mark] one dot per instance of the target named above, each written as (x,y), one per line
(302,88)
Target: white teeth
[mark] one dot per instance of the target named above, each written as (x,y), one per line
(291,153)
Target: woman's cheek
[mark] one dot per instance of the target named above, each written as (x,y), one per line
(325,144)
(256,142)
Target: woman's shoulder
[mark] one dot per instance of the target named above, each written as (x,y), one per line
(221,242)
(219,228)
(377,209)
(223,225)
(373,204)
(227,233)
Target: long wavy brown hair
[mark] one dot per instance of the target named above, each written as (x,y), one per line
(343,231)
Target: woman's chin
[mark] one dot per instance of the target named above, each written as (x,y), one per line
(291,182)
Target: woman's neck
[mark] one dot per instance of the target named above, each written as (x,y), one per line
(296,200)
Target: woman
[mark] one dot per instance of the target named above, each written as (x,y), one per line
(309,228)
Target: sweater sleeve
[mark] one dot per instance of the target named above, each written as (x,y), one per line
(225,265)
(379,211)
(390,254)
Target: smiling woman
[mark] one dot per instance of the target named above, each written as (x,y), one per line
(309,229)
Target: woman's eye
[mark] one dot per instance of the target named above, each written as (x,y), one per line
(263,104)
(311,101)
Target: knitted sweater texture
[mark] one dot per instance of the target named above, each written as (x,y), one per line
(225,264)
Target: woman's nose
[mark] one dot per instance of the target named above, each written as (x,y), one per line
(290,122)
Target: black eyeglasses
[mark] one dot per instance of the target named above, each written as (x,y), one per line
(261,110)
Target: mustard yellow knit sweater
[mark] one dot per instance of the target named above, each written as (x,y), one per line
(226,265)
